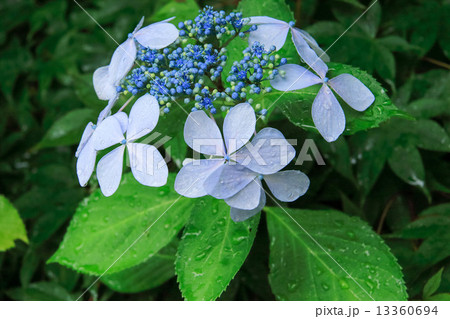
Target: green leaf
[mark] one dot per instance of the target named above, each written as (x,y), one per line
(429,135)
(433,220)
(326,31)
(444,36)
(212,250)
(406,163)
(371,20)
(427,108)
(173,123)
(47,12)
(68,129)
(424,133)
(301,270)
(65,277)
(180,9)
(432,226)
(384,62)
(40,291)
(396,43)
(277,9)
(355,3)
(104,228)
(296,105)
(432,284)
(423,227)
(350,208)
(338,155)
(150,274)
(434,249)
(13,60)
(425,34)
(11,226)
(438,210)
(370,152)
(440,297)
(177,148)
(30,262)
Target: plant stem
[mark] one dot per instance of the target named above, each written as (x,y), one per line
(298,9)
(385,212)
(229,40)
(437,62)
(125,105)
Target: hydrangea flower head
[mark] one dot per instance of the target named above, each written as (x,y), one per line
(327,113)
(154,36)
(147,164)
(273,32)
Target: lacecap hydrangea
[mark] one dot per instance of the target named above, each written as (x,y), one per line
(162,66)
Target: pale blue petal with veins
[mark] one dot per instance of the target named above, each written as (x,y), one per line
(155,36)
(327,113)
(147,164)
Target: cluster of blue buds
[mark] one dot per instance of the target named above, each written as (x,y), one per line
(176,72)
(191,72)
(248,75)
(211,23)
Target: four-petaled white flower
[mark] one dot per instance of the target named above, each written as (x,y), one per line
(234,169)
(147,164)
(271,31)
(86,152)
(154,36)
(327,113)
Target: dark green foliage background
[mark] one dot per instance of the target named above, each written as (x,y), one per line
(396,177)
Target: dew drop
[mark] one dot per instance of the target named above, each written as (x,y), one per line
(292,286)
(338,223)
(200,256)
(343,284)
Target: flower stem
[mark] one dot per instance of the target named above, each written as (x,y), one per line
(438,63)
(125,105)
(385,212)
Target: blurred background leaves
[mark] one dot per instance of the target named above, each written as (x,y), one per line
(396,177)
